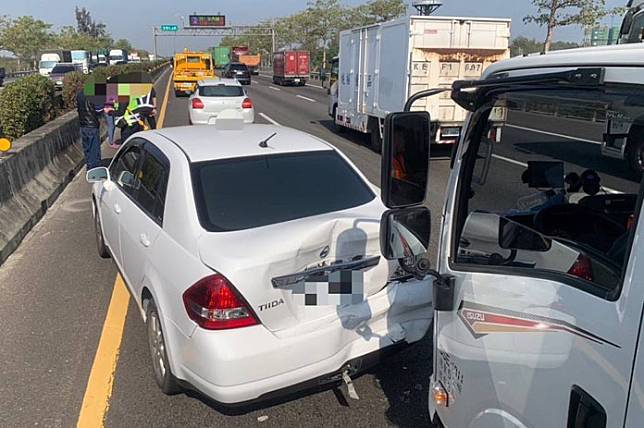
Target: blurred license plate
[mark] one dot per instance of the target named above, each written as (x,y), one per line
(338,288)
(297,80)
(239,73)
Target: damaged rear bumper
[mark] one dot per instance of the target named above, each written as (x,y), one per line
(230,367)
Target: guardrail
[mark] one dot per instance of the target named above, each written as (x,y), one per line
(20,73)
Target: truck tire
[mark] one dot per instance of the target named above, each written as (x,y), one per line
(339,129)
(375,142)
(635,151)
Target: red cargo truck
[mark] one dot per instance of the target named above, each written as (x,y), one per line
(291,67)
(238,51)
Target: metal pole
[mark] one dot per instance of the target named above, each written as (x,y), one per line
(154,36)
(273,35)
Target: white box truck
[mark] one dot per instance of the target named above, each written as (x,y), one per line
(381,65)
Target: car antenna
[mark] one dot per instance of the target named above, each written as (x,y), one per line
(264,143)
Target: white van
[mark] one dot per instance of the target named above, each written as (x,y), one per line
(539,282)
(47,62)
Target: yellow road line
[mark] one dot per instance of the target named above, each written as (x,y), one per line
(165,101)
(101,377)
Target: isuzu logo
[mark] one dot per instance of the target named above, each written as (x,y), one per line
(324,252)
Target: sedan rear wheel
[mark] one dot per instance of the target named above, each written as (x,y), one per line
(156,341)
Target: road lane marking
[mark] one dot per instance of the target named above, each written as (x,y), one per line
(554,134)
(101,378)
(512,161)
(269,119)
(274,88)
(164,106)
(306,98)
(315,86)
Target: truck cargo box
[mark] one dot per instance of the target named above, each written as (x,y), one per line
(252,62)
(380,66)
(291,67)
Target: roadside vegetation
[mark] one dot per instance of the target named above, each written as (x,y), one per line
(32,101)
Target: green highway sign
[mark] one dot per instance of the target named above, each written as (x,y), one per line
(169,28)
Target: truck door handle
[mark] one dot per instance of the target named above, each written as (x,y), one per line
(117,208)
(143,239)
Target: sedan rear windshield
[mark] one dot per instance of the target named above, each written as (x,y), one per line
(61,69)
(244,193)
(241,67)
(221,91)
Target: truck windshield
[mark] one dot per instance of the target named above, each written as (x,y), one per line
(553,184)
(47,64)
(230,193)
(79,56)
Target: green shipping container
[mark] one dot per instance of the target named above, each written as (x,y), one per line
(221,56)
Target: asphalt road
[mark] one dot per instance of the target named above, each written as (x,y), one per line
(56,292)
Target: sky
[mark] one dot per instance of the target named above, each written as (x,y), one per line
(134,20)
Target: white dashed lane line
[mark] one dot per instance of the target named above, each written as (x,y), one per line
(306,98)
(269,119)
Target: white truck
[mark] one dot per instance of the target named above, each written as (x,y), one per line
(381,65)
(47,62)
(83,58)
(538,294)
(118,56)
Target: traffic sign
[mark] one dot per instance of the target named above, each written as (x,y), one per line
(207,21)
(169,28)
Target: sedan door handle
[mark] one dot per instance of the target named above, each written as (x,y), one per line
(117,208)
(143,239)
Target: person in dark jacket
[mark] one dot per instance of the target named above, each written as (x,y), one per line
(88,117)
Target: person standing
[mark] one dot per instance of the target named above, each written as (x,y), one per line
(88,118)
(109,120)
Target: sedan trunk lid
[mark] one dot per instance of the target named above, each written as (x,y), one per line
(262,263)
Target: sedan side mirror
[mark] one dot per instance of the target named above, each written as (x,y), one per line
(96,175)
(404,233)
(405,159)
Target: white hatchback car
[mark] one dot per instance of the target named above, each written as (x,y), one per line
(213,96)
(256,265)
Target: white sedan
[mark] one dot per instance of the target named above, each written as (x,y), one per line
(256,265)
(213,96)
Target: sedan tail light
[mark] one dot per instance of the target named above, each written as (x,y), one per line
(197,104)
(247,103)
(214,304)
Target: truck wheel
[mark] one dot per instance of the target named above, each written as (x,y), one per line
(339,129)
(635,154)
(374,137)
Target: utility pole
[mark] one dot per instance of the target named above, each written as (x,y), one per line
(154,36)
(273,35)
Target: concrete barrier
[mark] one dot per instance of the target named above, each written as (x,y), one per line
(35,172)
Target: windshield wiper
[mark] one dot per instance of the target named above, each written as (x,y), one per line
(469,93)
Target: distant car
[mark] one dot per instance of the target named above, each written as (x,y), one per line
(60,70)
(213,96)
(253,254)
(238,71)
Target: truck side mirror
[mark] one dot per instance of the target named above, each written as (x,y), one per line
(405,159)
(404,233)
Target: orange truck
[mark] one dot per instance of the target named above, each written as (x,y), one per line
(189,68)
(252,62)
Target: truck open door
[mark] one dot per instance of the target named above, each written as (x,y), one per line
(537,297)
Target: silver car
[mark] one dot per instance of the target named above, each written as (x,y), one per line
(213,96)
